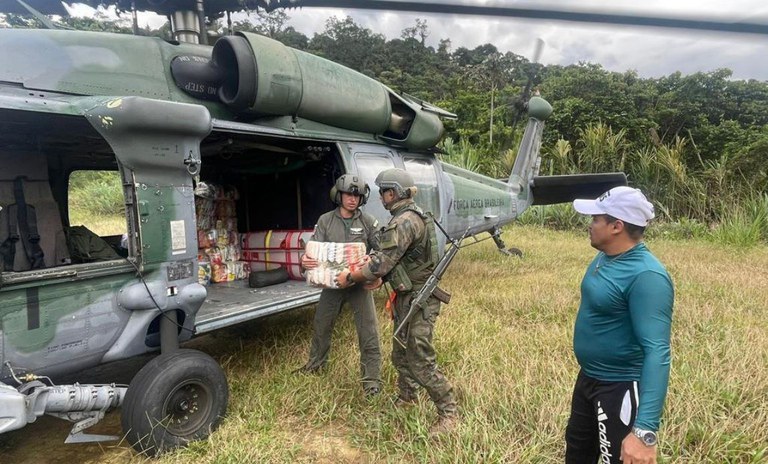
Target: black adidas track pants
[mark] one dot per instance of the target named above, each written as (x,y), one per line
(602,414)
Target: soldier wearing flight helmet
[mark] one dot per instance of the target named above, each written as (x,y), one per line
(407,256)
(347,224)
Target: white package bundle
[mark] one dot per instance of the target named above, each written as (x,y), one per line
(332,258)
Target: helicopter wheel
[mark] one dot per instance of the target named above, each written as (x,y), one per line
(176,398)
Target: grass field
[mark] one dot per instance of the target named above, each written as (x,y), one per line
(505,343)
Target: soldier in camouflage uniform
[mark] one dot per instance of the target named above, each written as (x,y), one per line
(407,256)
(347,224)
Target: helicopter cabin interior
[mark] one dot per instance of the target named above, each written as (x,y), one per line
(69,182)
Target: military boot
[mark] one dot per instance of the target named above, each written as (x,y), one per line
(309,370)
(371,392)
(406,392)
(404,400)
(444,424)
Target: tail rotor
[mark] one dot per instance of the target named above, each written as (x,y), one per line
(521,103)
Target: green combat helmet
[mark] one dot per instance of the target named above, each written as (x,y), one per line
(351,184)
(398,180)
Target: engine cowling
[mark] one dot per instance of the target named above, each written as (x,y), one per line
(256,76)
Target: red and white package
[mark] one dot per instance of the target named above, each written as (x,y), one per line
(332,258)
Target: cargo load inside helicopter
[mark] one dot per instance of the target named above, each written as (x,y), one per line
(257,202)
(256,198)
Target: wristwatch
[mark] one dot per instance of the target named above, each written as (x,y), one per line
(646,436)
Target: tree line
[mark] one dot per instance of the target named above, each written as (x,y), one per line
(697,144)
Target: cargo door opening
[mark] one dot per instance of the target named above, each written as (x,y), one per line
(257,201)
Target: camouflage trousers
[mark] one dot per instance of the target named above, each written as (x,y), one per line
(415,362)
(366,323)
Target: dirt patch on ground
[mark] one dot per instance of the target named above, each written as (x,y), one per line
(329,445)
(43,443)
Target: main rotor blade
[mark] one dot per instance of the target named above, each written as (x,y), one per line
(521,104)
(537,49)
(45,7)
(697,23)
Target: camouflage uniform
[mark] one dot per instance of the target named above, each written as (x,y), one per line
(332,228)
(407,242)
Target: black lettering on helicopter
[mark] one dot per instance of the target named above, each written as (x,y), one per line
(160,151)
(461,204)
(65,346)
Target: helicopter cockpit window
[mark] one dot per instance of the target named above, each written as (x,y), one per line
(425,176)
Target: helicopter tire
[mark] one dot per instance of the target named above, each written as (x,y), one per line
(176,398)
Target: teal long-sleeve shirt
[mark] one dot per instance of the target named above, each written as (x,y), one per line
(623,326)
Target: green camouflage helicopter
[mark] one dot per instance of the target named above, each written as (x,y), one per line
(276,123)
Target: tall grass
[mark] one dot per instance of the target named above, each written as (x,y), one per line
(558,217)
(96,192)
(462,154)
(745,225)
(505,342)
(714,197)
(600,149)
(96,201)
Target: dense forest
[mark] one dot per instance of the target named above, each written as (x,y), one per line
(697,144)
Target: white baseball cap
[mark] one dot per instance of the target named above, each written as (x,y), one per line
(625,203)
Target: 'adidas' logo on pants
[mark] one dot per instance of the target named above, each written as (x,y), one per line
(605,445)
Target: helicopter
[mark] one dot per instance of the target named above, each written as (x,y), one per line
(276,123)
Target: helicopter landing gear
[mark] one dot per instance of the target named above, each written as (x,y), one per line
(512,251)
(176,398)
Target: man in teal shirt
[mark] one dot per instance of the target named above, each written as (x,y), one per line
(621,337)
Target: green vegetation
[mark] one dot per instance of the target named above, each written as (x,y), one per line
(96,201)
(695,144)
(505,342)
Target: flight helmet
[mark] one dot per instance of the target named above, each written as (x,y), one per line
(350,183)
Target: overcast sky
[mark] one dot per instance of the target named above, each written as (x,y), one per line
(652,52)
